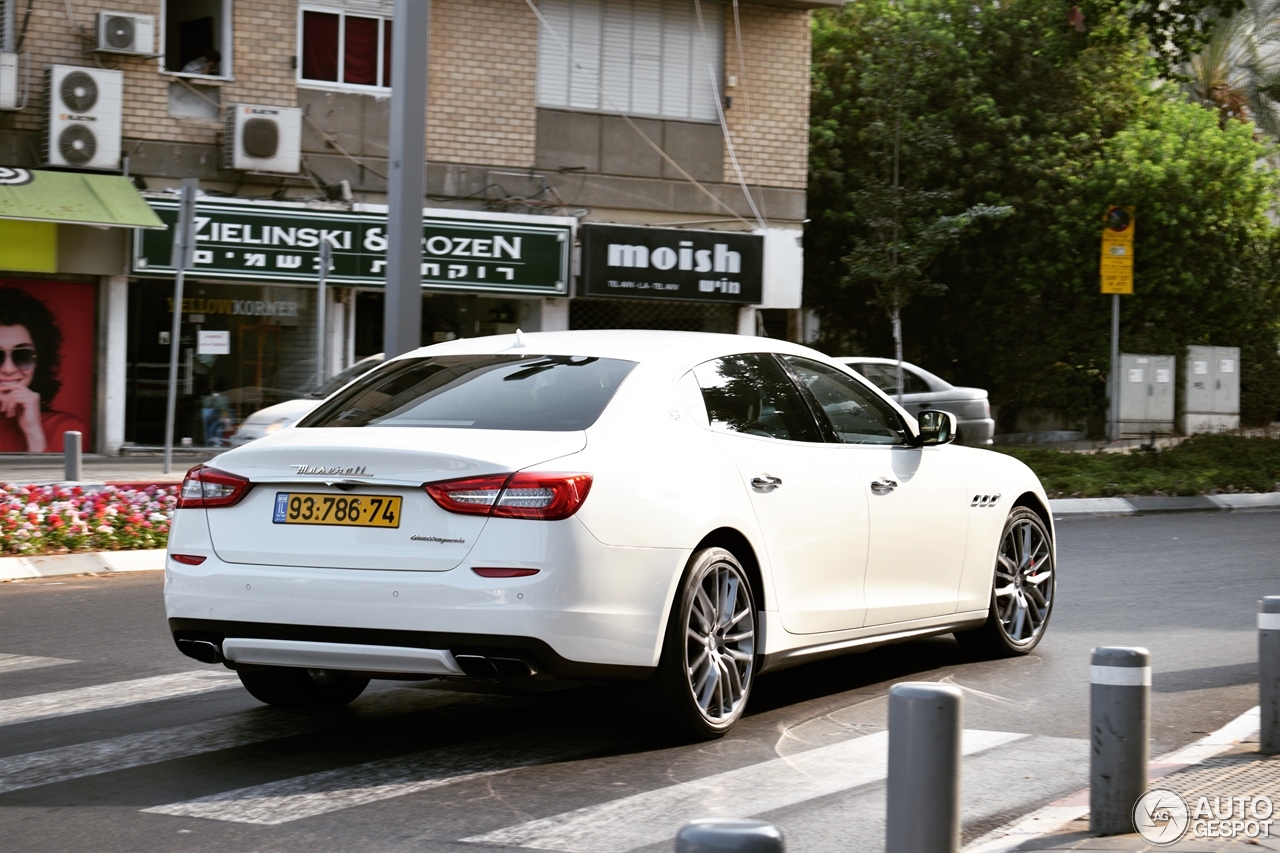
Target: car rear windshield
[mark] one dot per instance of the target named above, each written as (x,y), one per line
(543,392)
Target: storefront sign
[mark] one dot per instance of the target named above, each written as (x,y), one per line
(213,343)
(282,243)
(667,263)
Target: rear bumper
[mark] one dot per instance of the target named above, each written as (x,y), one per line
(977,432)
(591,611)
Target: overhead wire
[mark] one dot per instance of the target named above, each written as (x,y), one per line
(623,115)
(751,119)
(724,125)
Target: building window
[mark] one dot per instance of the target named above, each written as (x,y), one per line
(197,37)
(346,49)
(641,57)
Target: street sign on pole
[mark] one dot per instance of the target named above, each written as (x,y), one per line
(1117,279)
(1117,251)
(184,239)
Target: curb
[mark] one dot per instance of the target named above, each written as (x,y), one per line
(90,562)
(1148,505)
(1049,819)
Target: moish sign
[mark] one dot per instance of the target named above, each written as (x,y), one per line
(667,263)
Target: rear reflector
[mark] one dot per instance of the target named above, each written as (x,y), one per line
(189,559)
(504,573)
(206,488)
(525,494)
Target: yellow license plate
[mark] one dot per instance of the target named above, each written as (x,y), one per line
(340,510)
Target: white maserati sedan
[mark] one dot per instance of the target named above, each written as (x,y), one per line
(675,512)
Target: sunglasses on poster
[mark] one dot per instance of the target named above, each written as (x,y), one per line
(23,358)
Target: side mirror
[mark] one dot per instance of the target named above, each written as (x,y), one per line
(936,427)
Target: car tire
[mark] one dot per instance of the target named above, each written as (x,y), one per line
(302,689)
(708,662)
(1022,590)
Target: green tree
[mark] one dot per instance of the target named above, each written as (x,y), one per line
(1019,108)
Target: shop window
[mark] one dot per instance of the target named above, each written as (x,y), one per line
(648,57)
(197,37)
(345,49)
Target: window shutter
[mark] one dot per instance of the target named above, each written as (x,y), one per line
(646,63)
(615,59)
(553,64)
(677,54)
(585,47)
(709,51)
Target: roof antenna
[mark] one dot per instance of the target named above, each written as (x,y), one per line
(519,340)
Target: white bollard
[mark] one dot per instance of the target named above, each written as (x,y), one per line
(1120,733)
(71,455)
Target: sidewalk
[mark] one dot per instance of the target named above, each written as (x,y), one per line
(1223,765)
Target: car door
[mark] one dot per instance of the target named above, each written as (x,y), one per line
(814,527)
(915,498)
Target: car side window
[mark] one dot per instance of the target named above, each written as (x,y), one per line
(855,413)
(752,394)
(913,382)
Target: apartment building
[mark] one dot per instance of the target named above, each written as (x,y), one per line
(590,164)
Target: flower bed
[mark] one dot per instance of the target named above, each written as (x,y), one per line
(56,520)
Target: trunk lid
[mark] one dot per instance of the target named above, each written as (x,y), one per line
(374,466)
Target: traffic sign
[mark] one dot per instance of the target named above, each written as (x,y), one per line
(1116,266)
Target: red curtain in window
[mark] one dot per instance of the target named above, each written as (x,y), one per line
(360,63)
(319,46)
(386,53)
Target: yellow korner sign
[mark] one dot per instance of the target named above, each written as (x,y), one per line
(1117,250)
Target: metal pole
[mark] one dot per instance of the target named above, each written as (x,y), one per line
(1120,729)
(1269,674)
(402,308)
(729,835)
(923,813)
(1113,402)
(183,249)
(71,455)
(326,257)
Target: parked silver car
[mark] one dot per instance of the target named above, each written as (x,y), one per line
(922,390)
(272,419)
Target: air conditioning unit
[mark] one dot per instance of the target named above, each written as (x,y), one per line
(8,81)
(121,32)
(263,139)
(82,118)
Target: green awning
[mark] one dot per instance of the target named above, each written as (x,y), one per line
(74,198)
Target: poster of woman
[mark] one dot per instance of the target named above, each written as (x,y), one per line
(46,364)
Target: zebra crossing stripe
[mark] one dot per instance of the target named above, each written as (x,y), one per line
(82,700)
(655,816)
(76,761)
(13,663)
(332,790)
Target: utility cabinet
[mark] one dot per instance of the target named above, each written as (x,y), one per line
(1212,389)
(1146,394)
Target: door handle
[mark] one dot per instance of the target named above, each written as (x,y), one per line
(765,483)
(883,485)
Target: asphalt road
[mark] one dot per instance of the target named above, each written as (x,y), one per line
(205,767)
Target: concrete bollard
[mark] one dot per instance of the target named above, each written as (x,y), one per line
(729,835)
(71,455)
(1269,674)
(923,812)
(1120,733)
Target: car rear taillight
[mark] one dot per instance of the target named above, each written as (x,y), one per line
(206,488)
(189,559)
(548,497)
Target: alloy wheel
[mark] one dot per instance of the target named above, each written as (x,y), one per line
(720,642)
(1024,581)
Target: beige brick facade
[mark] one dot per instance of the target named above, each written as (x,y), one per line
(769,119)
(482,77)
(481,83)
